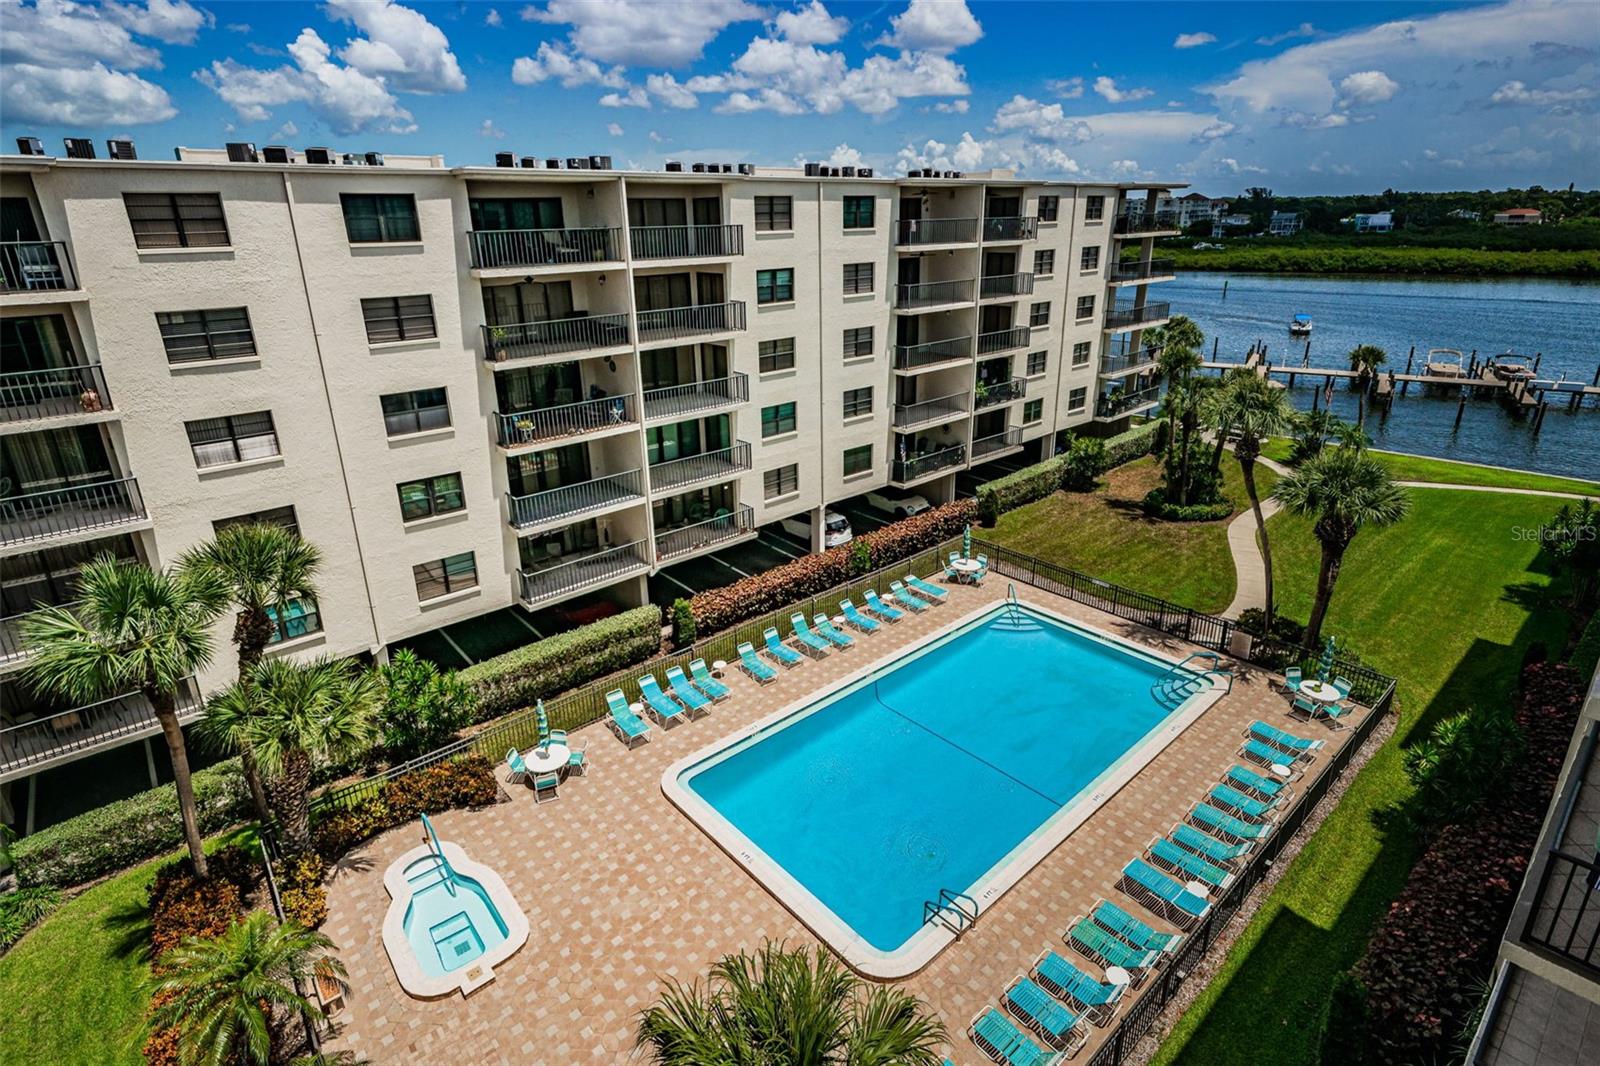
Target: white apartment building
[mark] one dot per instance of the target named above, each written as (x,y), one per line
(480,387)
(1190,209)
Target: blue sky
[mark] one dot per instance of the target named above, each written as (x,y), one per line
(1301,97)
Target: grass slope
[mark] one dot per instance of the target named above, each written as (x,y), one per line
(1447,472)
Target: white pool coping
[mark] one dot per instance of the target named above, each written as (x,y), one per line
(924,945)
(480,972)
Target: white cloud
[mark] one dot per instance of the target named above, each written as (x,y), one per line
(613,129)
(1066,88)
(165,20)
(1367,87)
(1516,92)
(845,156)
(1233,166)
(970,153)
(791,78)
(410,53)
(492,18)
(554,61)
(1124,168)
(952,107)
(766,100)
(656,137)
(80,95)
(634,97)
(1041,120)
(62,34)
(1194,40)
(347,98)
(285,131)
(1107,87)
(1306,121)
(642,32)
(665,87)
(1305,29)
(811,25)
(933,26)
(491,131)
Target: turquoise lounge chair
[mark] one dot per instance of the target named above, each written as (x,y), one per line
(813,644)
(1185,863)
(1247,780)
(1287,741)
(1207,846)
(1266,754)
(628,726)
(658,704)
(752,665)
(706,683)
(1163,895)
(854,617)
(515,764)
(1096,1000)
(786,656)
(927,588)
(906,598)
(1225,825)
(1237,803)
(1034,1008)
(1113,918)
(828,632)
(686,694)
(544,787)
(999,1038)
(1101,945)
(1342,684)
(881,609)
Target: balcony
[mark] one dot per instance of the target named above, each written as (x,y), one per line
(925,231)
(31,746)
(1133,317)
(1118,404)
(909,416)
(1013,228)
(677,402)
(686,242)
(1001,285)
(522,429)
(35,266)
(926,294)
(712,533)
(676,474)
(538,587)
(28,395)
(996,445)
(555,337)
(1143,224)
(1141,270)
(11,650)
(1121,364)
(496,249)
(42,516)
(921,467)
(932,353)
(1003,340)
(678,323)
(568,502)
(1000,392)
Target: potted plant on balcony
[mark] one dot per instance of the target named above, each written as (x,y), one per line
(525,428)
(89,400)
(982,393)
(497,343)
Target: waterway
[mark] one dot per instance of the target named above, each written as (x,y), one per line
(1558,319)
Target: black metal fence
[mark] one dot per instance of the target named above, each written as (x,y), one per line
(1564,914)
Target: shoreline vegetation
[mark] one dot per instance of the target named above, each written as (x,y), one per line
(1323,259)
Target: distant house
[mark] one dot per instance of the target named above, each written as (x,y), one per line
(1235,220)
(1464,215)
(1191,209)
(1285,223)
(1379,222)
(1519,216)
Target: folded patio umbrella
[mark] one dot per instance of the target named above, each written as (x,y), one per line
(1325,664)
(966,542)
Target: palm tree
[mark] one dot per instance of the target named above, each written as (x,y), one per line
(1178,344)
(1340,491)
(1256,411)
(265,567)
(133,628)
(1365,360)
(295,714)
(795,1007)
(220,994)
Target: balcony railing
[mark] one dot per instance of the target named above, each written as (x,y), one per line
(83,729)
(933,294)
(11,649)
(1137,316)
(694,469)
(1012,228)
(737,523)
(916,356)
(918,467)
(1120,403)
(1005,285)
(35,266)
(1113,364)
(544,247)
(587,571)
(556,336)
(1130,222)
(518,428)
(936,231)
(984,447)
(929,412)
(677,322)
(571,501)
(1003,340)
(1137,270)
(685,242)
(999,392)
(39,516)
(1565,918)
(683,401)
(63,390)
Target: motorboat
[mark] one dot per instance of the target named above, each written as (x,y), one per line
(1445,363)
(1300,326)
(1509,367)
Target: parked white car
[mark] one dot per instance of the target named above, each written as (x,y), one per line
(835,528)
(899,506)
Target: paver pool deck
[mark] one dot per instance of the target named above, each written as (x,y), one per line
(621,889)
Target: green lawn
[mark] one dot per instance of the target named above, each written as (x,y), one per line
(1445,472)
(1448,602)
(1105,534)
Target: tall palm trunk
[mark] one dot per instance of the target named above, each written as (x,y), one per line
(166,709)
(1183,469)
(292,791)
(1216,452)
(1246,451)
(1327,575)
(251,632)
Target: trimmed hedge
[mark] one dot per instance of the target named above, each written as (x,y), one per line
(1155,505)
(516,679)
(1130,444)
(129,831)
(717,609)
(467,782)
(1025,486)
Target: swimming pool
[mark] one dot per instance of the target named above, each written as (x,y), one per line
(955,767)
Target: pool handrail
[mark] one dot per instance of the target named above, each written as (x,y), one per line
(438,850)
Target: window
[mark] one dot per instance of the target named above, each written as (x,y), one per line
(1080,354)
(453,573)
(858,212)
(1033,411)
(774,286)
(1037,361)
(298,618)
(857,278)
(784,481)
(1077,399)
(275,516)
(1094,208)
(232,439)
(430,496)
(1044,263)
(1085,307)
(777,355)
(176,220)
(1039,314)
(1049,208)
(371,218)
(774,214)
(1090,258)
(857,402)
(413,412)
(857,460)
(198,336)
(779,418)
(858,342)
(398,318)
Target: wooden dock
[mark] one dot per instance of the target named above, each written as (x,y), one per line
(1485,378)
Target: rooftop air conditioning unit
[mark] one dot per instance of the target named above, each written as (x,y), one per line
(120,149)
(320,156)
(727,168)
(577,162)
(352,160)
(599,162)
(79,148)
(374,159)
(242,152)
(277,153)
(813,170)
(864,172)
(913,173)
(747,168)
(849,172)
(698,168)
(674,167)
(530,161)
(833,172)
(505,159)
(30,146)
(552,164)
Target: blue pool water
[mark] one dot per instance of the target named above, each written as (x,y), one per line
(450,921)
(929,772)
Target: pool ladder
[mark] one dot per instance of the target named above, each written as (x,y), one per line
(956,911)
(449,877)
(1179,683)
